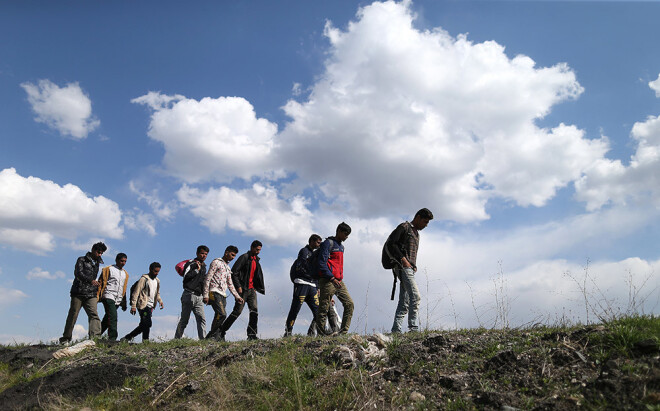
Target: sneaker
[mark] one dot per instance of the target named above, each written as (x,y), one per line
(125,339)
(252,337)
(288,333)
(65,341)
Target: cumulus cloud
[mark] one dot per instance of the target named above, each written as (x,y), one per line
(256,211)
(162,210)
(403,117)
(66,109)
(655,86)
(211,139)
(37,273)
(137,219)
(611,181)
(34,211)
(9,296)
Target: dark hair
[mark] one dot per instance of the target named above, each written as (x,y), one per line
(120,256)
(202,247)
(232,249)
(256,243)
(344,228)
(425,213)
(153,265)
(314,237)
(99,247)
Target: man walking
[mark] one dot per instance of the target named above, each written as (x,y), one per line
(143,300)
(112,293)
(83,293)
(218,280)
(304,285)
(331,276)
(401,249)
(249,279)
(194,274)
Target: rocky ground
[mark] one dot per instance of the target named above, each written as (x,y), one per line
(592,367)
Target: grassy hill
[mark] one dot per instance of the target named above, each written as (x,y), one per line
(615,365)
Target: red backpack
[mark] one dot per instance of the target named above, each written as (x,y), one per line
(179,267)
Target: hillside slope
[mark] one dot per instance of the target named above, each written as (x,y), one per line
(609,366)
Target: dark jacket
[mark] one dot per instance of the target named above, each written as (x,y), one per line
(86,271)
(331,259)
(302,266)
(240,274)
(193,277)
(398,244)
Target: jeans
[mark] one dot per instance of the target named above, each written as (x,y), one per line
(190,302)
(89,305)
(218,302)
(302,293)
(328,289)
(409,299)
(145,325)
(250,298)
(109,321)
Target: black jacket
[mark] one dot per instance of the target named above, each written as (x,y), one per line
(302,266)
(240,274)
(193,278)
(86,271)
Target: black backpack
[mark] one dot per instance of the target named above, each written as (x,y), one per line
(387,260)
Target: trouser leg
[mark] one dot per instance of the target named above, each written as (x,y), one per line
(254,313)
(218,303)
(145,322)
(71,318)
(333,319)
(186,309)
(327,290)
(90,305)
(296,302)
(312,300)
(200,318)
(235,313)
(347,302)
(109,321)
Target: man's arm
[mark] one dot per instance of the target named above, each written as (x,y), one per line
(80,273)
(236,271)
(213,268)
(393,245)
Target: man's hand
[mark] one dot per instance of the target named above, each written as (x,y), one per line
(337,283)
(240,291)
(405,263)
(123,308)
(95,283)
(133,310)
(206,300)
(240,300)
(162,305)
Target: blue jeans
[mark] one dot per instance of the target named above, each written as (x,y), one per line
(409,298)
(191,303)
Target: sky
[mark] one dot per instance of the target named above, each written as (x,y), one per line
(531,129)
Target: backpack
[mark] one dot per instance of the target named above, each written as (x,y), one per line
(133,287)
(387,260)
(313,264)
(179,267)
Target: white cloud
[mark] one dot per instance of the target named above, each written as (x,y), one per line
(37,273)
(403,117)
(34,211)
(257,212)
(611,181)
(9,296)
(66,109)
(214,138)
(136,219)
(164,211)
(655,86)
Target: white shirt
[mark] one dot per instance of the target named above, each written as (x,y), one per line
(115,286)
(153,285)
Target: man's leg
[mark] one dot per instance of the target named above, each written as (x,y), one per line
(71,318)
(296,303)
(186,308)
(90,305)
(198,309)
(109,321)
(333,318)
(145,322)
(347,302)
(312,300)
(238,309)
(254,314)
(402,307)
(218,302)
(327,291)
(410,285)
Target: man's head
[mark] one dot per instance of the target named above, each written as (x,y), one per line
(343,231)
(154,269)
(98,249)
(230,253)
(422,218)
(255,247)
(120,260)
(202,252)
(315,241)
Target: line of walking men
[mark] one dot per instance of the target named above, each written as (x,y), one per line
(317,275)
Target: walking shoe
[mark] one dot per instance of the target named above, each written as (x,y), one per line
(288,333)
(252,337)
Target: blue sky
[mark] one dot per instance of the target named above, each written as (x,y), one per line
(529,128)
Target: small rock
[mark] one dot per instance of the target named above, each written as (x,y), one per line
(417,397)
